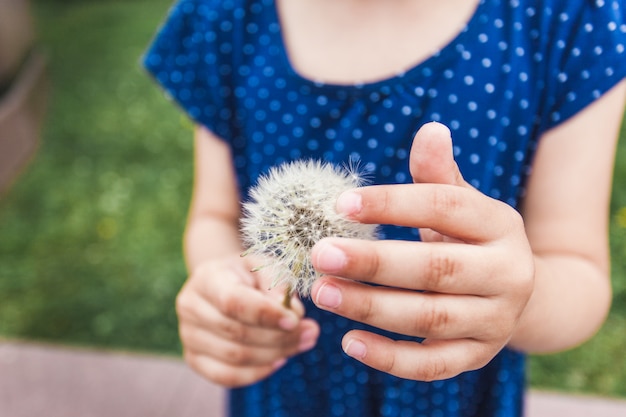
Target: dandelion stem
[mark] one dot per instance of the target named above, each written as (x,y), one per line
(287,299)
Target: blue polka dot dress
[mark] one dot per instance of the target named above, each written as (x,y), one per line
(519,68)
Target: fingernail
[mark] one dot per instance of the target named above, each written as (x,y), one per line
(288,322)
(307,340)
(328,296)
(279,363)
(329,259)
(356,349)
(349,203)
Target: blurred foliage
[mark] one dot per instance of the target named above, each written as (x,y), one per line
(90,236)
(90,247)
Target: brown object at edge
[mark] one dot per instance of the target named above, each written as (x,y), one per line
(21,114)
(22,102)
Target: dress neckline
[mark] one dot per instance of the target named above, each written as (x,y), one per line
(421,68)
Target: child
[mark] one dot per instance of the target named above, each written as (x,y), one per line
(518,83)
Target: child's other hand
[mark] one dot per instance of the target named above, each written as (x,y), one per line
(234,331)
(475,268)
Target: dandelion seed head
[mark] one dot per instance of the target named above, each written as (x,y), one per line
(290,210)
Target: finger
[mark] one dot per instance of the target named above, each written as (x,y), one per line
(194,310)
(429,361)
(236,299)
(432,158)
(429,315)
(238,353)
(228,328)
(234,353)
(441,267)
(432,161)
(229,375)
(429,235)
(459,212)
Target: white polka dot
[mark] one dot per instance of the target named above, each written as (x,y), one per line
(400,177)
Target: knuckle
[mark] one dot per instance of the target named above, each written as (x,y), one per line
(230,305)
(434,370)
(184,305)
(445,201)
(440,267)
(258,313)
(235,331)
(516,220)
(388,364)
(266,315)
(368,266)
(366,310)
(238,355)
(376,207)
(433,321)
(513,223)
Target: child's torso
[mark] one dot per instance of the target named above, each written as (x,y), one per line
(356,41)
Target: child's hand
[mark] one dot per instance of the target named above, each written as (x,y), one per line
(475,269)
(234,331)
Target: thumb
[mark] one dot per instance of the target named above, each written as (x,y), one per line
(432,161)
(432,158)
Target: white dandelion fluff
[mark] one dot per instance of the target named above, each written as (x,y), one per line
(289,211)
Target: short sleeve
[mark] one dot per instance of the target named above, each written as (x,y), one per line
(586,56)
(189,58)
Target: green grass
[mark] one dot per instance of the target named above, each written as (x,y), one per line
(90,236)
(90,248)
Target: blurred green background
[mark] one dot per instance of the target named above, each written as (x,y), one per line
(90,235)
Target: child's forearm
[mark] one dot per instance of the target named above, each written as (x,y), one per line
(209,237)
(570,302)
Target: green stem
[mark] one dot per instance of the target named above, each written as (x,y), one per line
(287,299)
